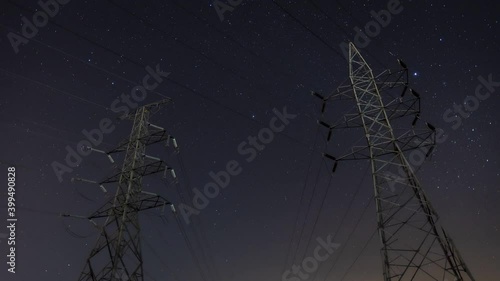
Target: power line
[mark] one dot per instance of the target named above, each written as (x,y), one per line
(80,99)
(349,206)
(190,247)
(203,259)
(151,25)
(79,59)
(349,237)
(300,203)
(234,40)
(319,212)
(197,234)
(308,29)
(172,272)
(308,209)
(198,261)
(341,28)
(189,89)
(359,255)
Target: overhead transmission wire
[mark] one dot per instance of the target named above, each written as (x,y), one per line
(308,29)
(323,41)
(19,76)
(360,252)
(349,236)
(229,70)
(151,25)
(164,263)
(335,51)
(86,62)
(197,262)
(352,232)
(160,259)
(187,88)
(40,125)
(81,60)
(237,42)
(303,189)
(342,29)
(331,49)
(308,209)
(323,201)
(207,259)
(322,206)
(190,247)
(93,42)
(200,233)
(349,206)
(83,37)
(196,234)
(173,81)
(367,243)
(325,14)
(300,202)
(319,212)
(306,216)
(186,239)
(72,233)
(55,214)
(78,35)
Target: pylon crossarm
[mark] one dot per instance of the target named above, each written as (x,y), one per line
(145,202)
(151,138)
(143,170)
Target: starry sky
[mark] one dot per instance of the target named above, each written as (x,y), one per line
(227,76)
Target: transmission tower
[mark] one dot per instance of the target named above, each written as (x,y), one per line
(117,254)
(414,245)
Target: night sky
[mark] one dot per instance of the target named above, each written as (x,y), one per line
(228,76)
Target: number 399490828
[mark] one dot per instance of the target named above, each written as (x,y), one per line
(11,177)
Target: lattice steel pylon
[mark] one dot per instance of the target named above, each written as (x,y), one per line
(117,254)
(414,245)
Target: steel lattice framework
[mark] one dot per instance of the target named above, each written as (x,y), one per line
(414,245)
(117,253)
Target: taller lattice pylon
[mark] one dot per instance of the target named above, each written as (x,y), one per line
(414,245)
(117,254)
